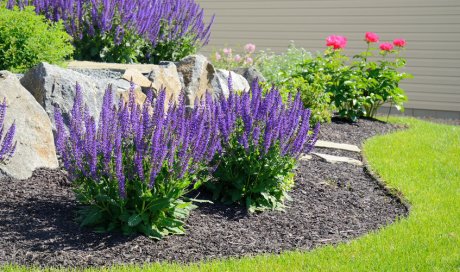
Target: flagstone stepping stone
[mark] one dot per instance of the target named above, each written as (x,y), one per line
(305,157)
(338,159)
(332,145)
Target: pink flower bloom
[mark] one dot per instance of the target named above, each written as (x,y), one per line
(248,60)
(399,42)
(371,37)
(250,48)
(386,46)
(237,58)
(227,51)
(338,42)
(218,56)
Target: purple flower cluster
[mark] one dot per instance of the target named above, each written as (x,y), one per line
(8,147)
(261,122)
(155,20)
(133,143)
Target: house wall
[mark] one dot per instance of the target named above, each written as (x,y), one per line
(431,28)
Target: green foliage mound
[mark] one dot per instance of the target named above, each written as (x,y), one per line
(27,39)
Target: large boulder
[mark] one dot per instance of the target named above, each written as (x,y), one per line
(220,82)
(165,75)
(196,73)
(35,144)
(55,86)
(250,74)
(198,76)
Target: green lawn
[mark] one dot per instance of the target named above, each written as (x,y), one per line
(423,163)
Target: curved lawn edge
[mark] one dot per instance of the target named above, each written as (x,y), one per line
(422,163)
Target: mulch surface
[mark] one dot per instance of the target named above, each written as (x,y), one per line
(331,203)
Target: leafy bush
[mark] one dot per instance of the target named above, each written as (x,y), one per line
(129,31)
(27,39)
(360,88)
(225,59)
(297,71)
(355,89)
(132,168)
(8,147)
(261,139)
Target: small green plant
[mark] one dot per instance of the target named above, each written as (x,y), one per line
(297,71)
(27,39)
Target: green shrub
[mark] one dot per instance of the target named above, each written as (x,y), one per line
(27,39)
(297,71)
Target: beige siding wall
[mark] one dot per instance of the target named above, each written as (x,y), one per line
(431,28)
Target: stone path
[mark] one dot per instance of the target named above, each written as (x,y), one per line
(333,158)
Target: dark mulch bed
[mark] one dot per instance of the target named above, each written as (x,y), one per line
(332,203)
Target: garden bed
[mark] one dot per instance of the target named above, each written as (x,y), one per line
(331,203)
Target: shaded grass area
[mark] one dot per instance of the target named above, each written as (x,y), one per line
(423,163)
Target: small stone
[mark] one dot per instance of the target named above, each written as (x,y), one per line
(305,157)
(137,78)
(332,145)
(338,159)
(166,76)
(250,74)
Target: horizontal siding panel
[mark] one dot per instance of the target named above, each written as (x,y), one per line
(339,19)
(360,28)
(324,4)
(430,105)
(434,97)
(284,36)
(333,11)
(411,86)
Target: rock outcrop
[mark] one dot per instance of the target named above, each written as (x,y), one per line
(35,144)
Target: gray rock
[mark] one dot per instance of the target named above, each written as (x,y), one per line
(338,159)
(332,145)
(55,86)
(250,74)
(99,73)
(35,144)
(220,83)
(197,74)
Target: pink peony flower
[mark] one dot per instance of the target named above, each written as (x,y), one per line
(386,46)
(227,51)
(248,60)
(250,48)
(237,58)
(371,37)
(338,42)
(399,42)
(218,56)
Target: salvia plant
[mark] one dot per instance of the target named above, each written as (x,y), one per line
(128,30)
(132,168)
(262,138)
(8,145)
